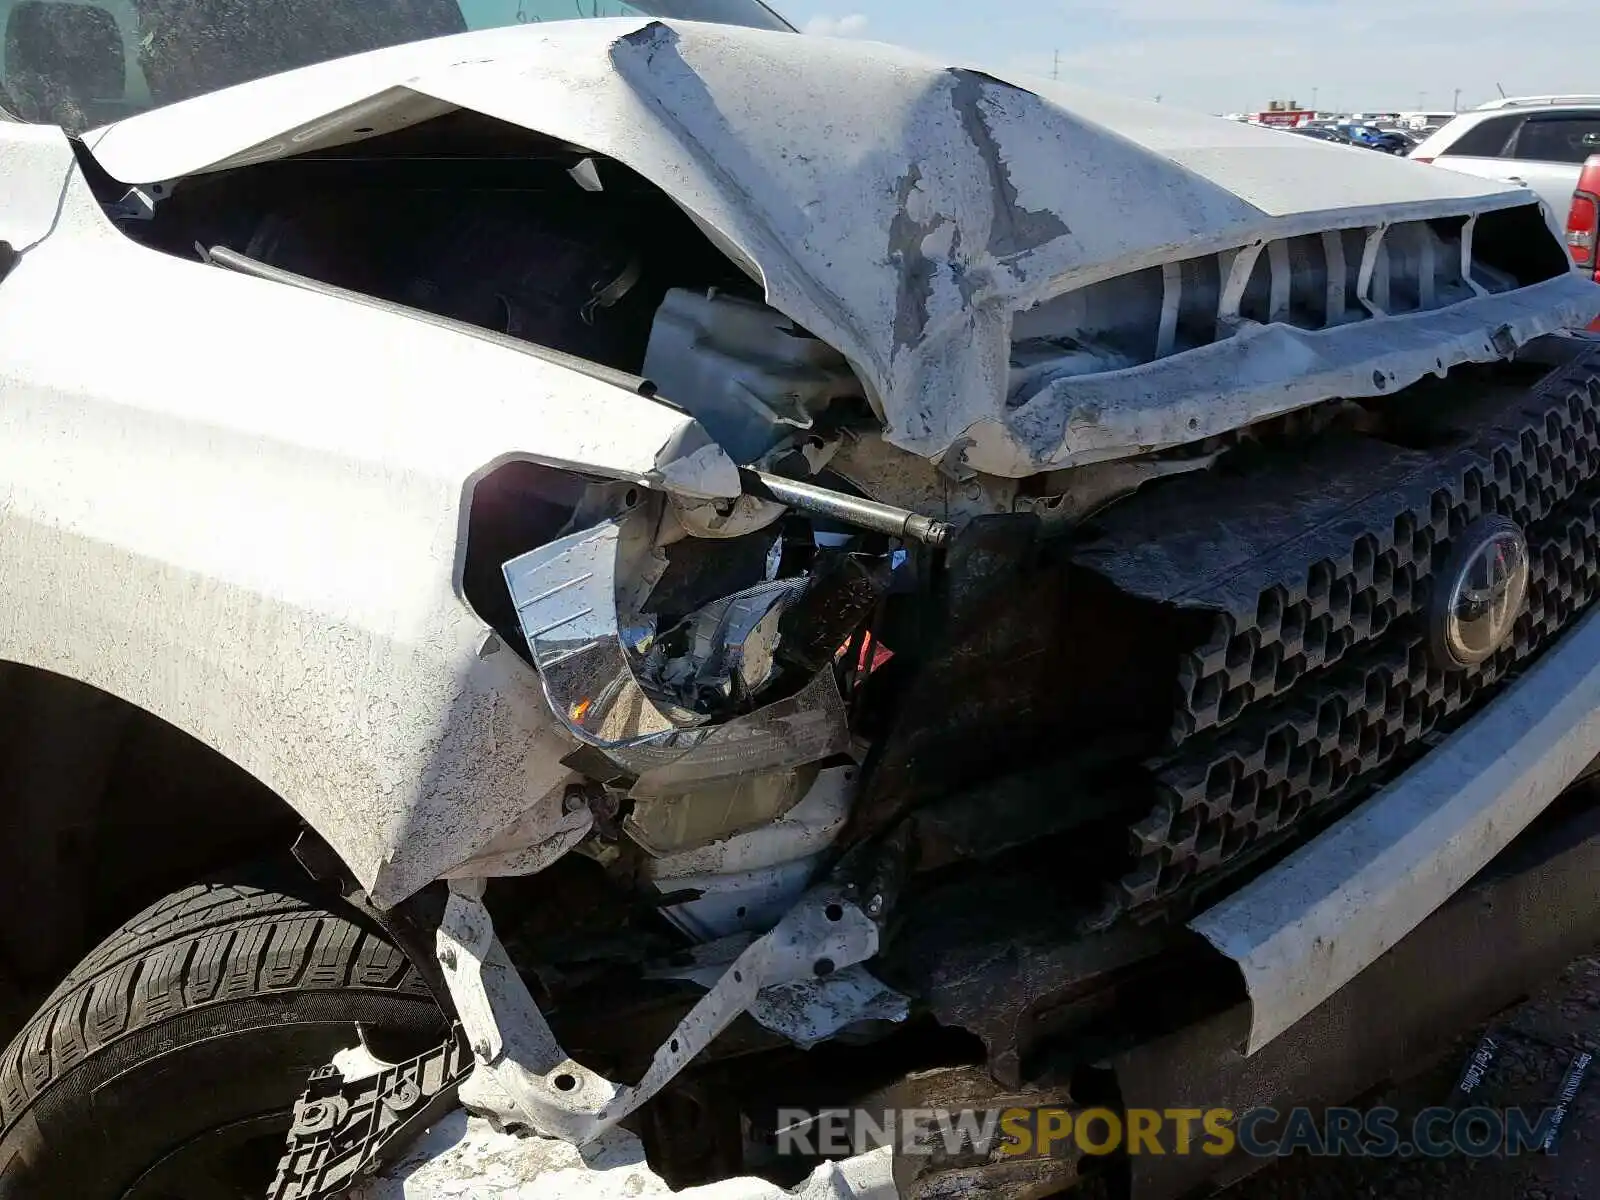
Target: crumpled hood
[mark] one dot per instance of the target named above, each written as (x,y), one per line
(901,210)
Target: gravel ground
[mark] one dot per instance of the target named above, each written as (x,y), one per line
(1539,1039)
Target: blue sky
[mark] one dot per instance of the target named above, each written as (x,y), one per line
(1235,55)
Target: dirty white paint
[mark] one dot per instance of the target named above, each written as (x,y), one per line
(35,164)
(1308,926)
(908,241)
(242,507)
(530,844)
(465,1157)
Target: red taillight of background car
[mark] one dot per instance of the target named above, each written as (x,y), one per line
(1583,218)
(1583,224)
(1415,158)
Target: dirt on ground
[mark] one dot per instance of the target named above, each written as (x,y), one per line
(1536,1044)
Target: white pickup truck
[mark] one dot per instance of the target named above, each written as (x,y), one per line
(569,585)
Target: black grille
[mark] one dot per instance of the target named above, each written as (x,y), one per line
(1316,675)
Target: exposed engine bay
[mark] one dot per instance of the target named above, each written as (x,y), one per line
(995,737)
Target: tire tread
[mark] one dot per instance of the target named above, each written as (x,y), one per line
(209,944)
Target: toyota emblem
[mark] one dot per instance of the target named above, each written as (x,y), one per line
(1479,593)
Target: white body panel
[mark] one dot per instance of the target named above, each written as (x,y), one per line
(241,506)
(908,239)
(1553,183)
(34,171)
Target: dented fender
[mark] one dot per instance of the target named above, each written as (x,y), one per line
(243,507)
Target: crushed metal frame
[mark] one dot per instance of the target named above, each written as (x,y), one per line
(526,1078)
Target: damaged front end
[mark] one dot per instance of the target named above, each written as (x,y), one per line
(1038,540)
(718,763)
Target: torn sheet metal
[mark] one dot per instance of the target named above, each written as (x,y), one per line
(1267,370)
(1305,928)
(741,369)
(811,1011)
(466,1157)
(909,242)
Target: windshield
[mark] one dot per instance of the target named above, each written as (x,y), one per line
(83,63)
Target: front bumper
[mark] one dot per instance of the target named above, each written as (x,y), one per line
(1308,926)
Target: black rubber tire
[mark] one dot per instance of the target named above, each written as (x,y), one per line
(193,1028)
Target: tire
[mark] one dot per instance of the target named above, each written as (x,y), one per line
(165,1067)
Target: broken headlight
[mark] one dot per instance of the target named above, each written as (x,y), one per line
(741,683)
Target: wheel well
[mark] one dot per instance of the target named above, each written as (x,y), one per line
(107,808)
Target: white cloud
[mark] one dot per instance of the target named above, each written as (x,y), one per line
(849,25)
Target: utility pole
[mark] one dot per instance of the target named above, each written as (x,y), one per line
(1055,71)
(1455,105)
(1313,99)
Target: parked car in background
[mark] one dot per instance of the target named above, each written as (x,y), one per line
(1426,122)
(1321,133)
(1539,141)
(1583,224)
(1373,138)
